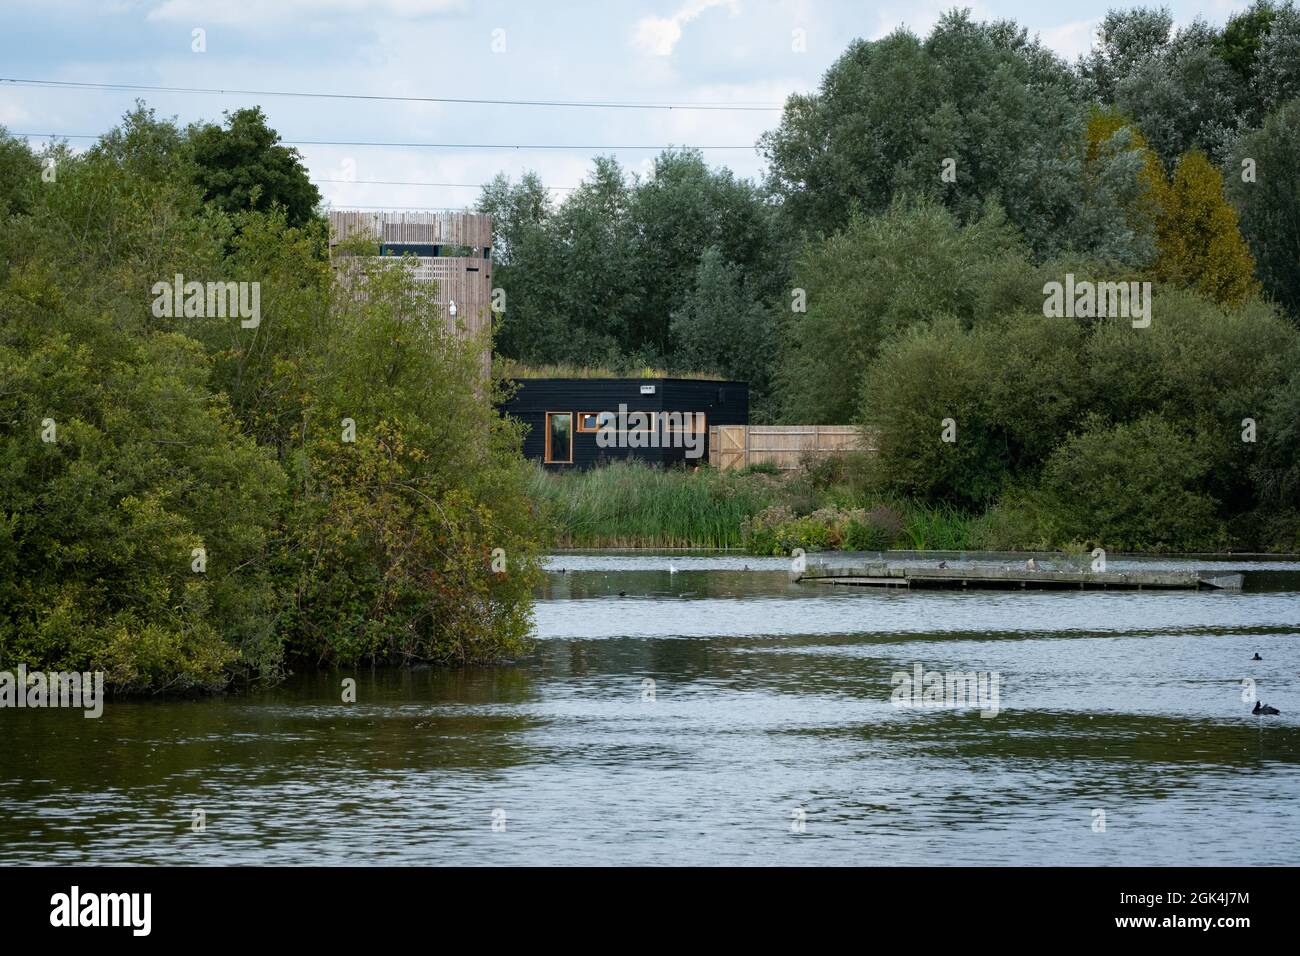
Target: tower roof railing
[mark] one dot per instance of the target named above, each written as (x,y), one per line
(433,226)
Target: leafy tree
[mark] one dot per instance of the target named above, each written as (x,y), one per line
(528,266)
(20,175)
(724,327)
(146,147)
(1269,202)
(676,216)
(180,432)
(1128,40)
(568,273)
(1277,74)
(907,410)
(1186,97)
(599,278)
(888,113)
(1243,35)
(243,166)
(1198,239)
(389,544)
(1017,386)
(515,210)
(1199,87)
(595,296)
(1201,368)
(101,524)
(880,275)
(1129,179)
(1196,362)
(1010,387)
(270,376)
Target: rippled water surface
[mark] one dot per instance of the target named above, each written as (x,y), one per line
(770,712)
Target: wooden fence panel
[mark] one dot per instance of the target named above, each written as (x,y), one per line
(784,445)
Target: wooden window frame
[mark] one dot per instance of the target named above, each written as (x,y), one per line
(591,431)
(582,430)
(547,458)
(703,429)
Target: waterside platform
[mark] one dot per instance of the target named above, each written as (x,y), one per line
(1004,578)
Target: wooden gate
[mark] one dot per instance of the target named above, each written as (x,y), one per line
(731,446)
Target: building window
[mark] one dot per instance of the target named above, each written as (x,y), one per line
(683,422)
(694,422)
(592,421)
(559,438)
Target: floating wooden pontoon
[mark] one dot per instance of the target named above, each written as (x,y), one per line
(1004,578)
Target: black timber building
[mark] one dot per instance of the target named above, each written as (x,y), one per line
(583,422)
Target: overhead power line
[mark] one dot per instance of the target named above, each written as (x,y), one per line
(516,146)
(400,182)
(384,208)
(472,101)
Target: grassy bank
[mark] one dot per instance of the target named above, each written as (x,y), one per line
(630,505)
(838,505)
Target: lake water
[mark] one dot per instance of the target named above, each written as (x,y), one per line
(768,736)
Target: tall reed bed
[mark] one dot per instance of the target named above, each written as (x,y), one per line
(938,528)
(629,505)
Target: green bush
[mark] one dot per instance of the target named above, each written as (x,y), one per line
(102,522)
(778,530)
(1201,369)
(1007,388)
(1013,523)
(1131,487)
(174,433)
(881,275)
(1017,387)
(822,471)
(863,536)
(806,533)
(878,529)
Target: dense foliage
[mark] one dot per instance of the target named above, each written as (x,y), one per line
(186,499)
(182,499)
(676,271)
(1080,408)
(926,193)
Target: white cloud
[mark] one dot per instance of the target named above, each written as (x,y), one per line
(1071,40)
(656,36)
(258,12)
(11,114)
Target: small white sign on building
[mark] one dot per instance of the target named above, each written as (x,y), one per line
(647,389)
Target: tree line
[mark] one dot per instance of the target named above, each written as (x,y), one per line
(190,498)
(691,268)
(891,270)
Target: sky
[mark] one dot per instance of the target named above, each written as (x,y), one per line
(749,53)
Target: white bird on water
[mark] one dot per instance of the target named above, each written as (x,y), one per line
(671,569)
